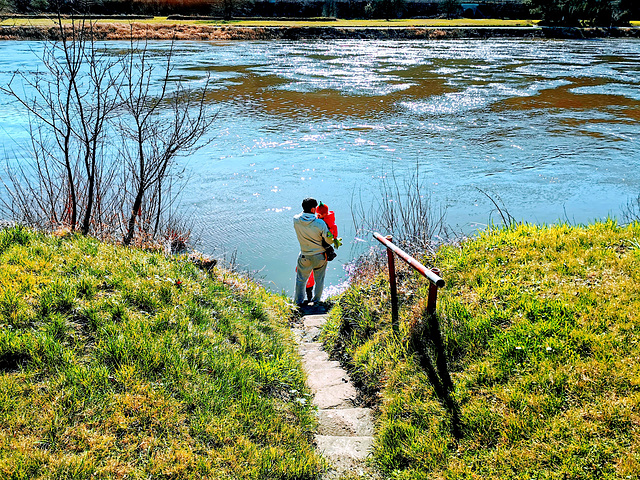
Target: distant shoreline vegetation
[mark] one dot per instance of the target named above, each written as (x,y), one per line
(109,29)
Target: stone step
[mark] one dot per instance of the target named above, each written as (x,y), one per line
(308,346)
(344,451)
(316,356)
(345,422)
(338,396)
(314,320)
(344,435)
(311,334)
(325,377)
(313,355)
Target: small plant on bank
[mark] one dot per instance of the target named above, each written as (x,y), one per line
(406,212)
(631,211)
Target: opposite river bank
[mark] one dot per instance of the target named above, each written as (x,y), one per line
(124,30)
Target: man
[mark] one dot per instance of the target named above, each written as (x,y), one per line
(311,231)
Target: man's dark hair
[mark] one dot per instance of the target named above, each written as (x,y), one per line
(308,204)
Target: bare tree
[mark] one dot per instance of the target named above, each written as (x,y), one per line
(84,97)
(152,136)
(69,104)
(51,106)
(104,79)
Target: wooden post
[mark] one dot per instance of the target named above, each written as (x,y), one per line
(439,375)
(393,288)
(433,295)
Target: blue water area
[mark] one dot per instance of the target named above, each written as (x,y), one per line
(549,129)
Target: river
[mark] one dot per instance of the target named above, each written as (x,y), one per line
(551,128)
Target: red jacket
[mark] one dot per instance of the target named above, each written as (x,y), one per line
(330,220)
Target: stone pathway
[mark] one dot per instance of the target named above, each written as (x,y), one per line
(345,433)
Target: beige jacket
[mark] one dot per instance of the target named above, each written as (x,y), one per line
(311,231)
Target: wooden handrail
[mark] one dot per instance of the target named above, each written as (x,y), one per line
(440,378)
(432,274)
(415,264)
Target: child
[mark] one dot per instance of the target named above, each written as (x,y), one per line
(329,217)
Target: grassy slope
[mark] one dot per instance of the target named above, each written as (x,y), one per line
(120,363)
(541,327)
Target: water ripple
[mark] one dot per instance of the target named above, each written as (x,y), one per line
(551,126)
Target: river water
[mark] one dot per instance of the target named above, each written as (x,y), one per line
(551,128)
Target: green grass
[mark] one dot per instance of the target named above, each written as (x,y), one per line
(541,327)
(121,363)
(410,22)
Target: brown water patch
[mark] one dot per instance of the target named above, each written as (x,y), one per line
(323,103)
(563,98)
(221,68)
(425,88)
(324,58)
(577,123)
(632,113)
(262,93)
(588,133)
(314,104)
(265,94)
(612,59)
(425,80)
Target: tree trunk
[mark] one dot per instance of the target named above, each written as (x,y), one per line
(137,204)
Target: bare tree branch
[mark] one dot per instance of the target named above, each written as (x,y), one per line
(81,98)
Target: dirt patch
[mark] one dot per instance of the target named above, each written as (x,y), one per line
(10,362)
